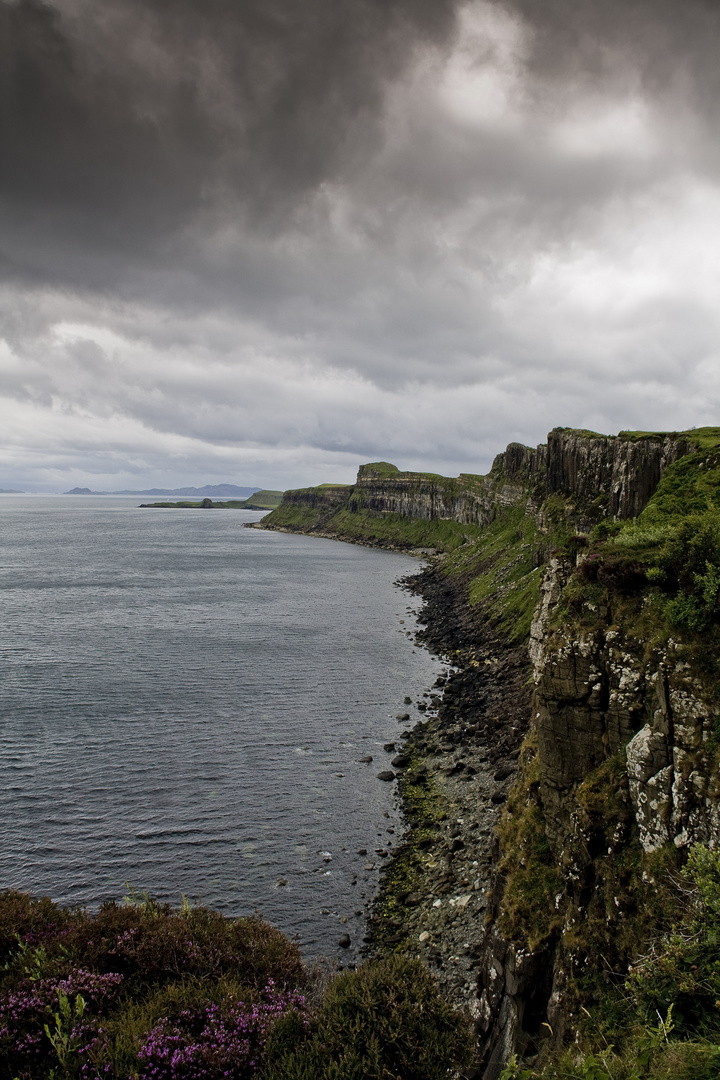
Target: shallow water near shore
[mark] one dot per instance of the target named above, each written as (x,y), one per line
(184,705)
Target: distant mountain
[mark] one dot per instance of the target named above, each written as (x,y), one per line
(10,491)
(227,491)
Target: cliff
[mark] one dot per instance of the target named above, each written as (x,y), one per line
(593,477)
(600,556)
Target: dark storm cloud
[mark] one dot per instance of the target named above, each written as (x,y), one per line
(266,231)
(120,120)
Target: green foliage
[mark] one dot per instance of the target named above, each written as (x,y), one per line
(501,568)
(530,914)
(683,969)
(385,1020)
(81,995)
(689,485)
(67,1035)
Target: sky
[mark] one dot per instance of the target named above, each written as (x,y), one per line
(265,241)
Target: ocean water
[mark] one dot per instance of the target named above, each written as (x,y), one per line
(183,706)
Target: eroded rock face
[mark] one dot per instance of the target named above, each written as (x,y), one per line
(512,1000)
(326,497)
(604,476)
(598,693)
(625,471)
(595,694)
(469,500)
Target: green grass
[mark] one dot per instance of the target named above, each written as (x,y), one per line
(298,517)
(380,469)
(394,530)
(500,567)
(263,500)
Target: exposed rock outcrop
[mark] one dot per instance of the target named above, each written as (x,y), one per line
(598,694)
(469,500)
(618,473)
(605,476)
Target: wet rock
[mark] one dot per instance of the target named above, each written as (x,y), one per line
(344,941)
(401,761)
(504,772)
(389,747)
(402,717)
(366,759)
(386,775)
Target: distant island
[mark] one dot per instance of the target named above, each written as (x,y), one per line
(260,500)
(226,491)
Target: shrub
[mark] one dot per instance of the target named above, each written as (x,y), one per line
(682,970)
(216,1042)
(385,1020)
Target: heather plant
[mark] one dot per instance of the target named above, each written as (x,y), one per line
(216,1042)
(143,992)
(46,1024)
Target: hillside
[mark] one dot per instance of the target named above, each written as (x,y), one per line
(598,557)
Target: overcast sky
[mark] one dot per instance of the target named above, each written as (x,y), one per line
(263,241)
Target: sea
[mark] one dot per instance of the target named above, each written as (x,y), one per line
(184,706)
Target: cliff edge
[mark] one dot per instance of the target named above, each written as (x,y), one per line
(598,557)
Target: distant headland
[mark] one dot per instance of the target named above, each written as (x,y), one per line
(217,491)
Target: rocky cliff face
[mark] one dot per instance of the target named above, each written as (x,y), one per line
(599,695)
(618,474)
(605,476)
(622,761)
(468,500)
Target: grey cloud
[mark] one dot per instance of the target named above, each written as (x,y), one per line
(279,232)
(121,120)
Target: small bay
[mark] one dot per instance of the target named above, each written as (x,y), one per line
(184,703)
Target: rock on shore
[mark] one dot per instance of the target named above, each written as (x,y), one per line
(461,757)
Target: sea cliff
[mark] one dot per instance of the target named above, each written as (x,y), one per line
(574,749)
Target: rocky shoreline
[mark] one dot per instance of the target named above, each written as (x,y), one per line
(454,768)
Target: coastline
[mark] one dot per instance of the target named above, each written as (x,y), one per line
(435,891)
(400,549)
(462,755)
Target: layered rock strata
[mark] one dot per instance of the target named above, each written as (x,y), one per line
(605,476)
(598,694)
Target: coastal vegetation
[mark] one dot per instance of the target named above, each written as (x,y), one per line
(139,991)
